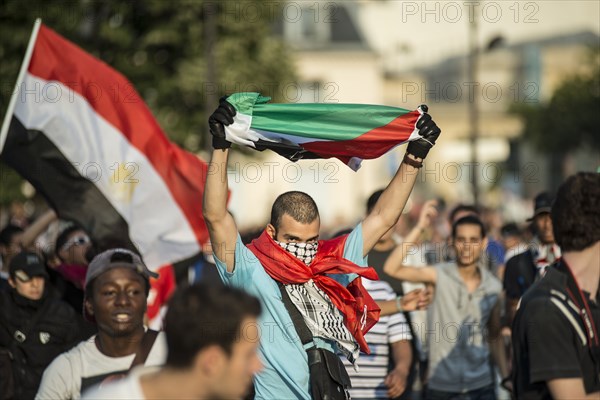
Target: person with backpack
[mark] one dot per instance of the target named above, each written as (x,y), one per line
(556,347)
(305,284)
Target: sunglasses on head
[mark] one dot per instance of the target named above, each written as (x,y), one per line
(76,241)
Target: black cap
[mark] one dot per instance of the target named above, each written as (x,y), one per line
(543,204)
(117,258)
(114,258)
(510,229)
(27,265)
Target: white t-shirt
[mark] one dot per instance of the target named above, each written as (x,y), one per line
(418,318)
(84,366)
(124,389)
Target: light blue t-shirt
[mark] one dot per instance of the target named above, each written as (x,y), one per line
(285,374)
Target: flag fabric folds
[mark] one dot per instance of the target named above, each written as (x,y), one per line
(84,138)
(349,132)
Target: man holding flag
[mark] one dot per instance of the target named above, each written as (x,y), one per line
(289,261)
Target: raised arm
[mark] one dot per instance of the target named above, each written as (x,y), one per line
(394,265)
(388,208)
(220,223)
(28,237)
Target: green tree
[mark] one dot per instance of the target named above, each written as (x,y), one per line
(570,120)
(160,47)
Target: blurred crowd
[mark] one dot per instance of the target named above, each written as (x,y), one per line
(45,262)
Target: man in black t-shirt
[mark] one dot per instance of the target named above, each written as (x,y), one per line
(555,331)
(525,268)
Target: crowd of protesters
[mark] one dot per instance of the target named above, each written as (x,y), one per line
(286,316)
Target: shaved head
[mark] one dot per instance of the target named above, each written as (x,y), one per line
(298,205)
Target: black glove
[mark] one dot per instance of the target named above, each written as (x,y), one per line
(429,132)
(222,116)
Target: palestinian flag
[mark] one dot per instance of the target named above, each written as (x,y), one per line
(349,132)
(83,137)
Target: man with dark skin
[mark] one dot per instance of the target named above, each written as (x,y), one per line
(212,338)
(116,289)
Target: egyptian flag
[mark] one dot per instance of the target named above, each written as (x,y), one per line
(349,132)
(83,137)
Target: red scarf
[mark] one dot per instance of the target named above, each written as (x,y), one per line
(74,273)
(355,303)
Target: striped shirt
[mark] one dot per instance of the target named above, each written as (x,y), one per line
(367,382)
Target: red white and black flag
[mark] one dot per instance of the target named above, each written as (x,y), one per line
(83,137)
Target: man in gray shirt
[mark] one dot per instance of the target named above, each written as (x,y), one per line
(464,318)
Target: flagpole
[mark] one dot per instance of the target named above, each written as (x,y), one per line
(15,95)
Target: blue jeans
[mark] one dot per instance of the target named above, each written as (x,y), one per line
(484,393)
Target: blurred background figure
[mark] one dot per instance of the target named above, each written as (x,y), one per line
(10,246)
(423,243)
(14,239)
(34,327)
(528,266)
(18,215)
(69,262)
(512,240)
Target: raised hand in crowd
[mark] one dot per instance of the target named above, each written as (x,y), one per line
(427,215)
